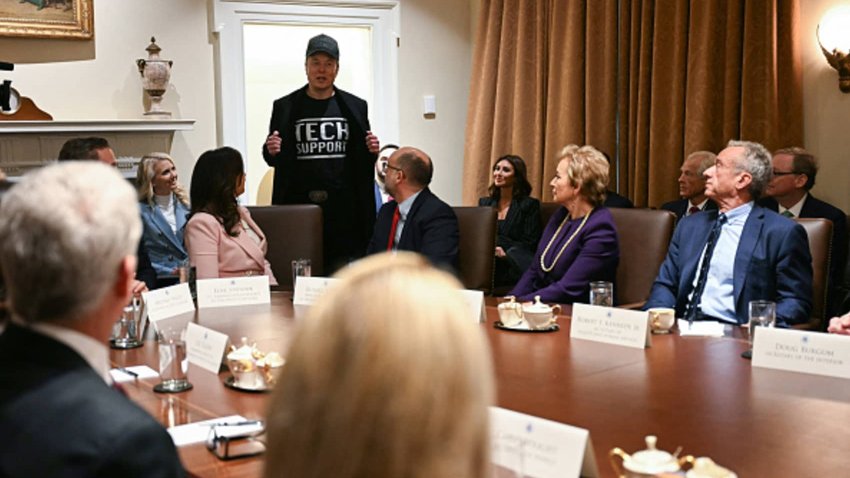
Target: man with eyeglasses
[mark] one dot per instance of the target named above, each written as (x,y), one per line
(719,261)
(794,173)
(68,260)
(381,194)
(415,220)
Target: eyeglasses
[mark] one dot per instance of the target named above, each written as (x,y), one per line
(783,173)
(388,165)
(227,443)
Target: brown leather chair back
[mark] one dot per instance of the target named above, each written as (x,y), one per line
(546,211)
(477,242)
(293,232)
(644,236)
(820,246)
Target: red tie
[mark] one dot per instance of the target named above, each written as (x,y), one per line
(396,216)
(693,210)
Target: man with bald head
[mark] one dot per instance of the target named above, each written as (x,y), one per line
(692,186)
(415,220)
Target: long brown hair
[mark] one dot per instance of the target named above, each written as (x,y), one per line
(213,189)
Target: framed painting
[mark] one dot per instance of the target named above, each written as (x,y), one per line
(47,18)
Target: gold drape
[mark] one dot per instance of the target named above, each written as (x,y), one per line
(645,81)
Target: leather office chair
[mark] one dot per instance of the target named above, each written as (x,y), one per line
(476,258)
(293,232)
(546,211)
(644,236)
(820,246)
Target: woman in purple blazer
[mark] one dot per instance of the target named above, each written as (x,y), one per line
(579,245)
(221,237)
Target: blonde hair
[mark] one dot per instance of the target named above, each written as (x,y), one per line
(587,170)
(388,376)
(145,174)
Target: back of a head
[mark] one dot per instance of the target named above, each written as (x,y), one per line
(417,166)
(81,148)
(65,228)
(387,377)
(214,178)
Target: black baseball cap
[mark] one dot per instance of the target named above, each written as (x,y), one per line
(323,44)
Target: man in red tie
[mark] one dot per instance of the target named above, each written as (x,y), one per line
(692,186)
(415,220)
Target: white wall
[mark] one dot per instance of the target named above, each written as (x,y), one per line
(98,79)
(435,58)
(826,110)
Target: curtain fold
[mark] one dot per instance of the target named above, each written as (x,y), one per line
(645,81)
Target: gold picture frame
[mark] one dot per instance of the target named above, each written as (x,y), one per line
(47,19)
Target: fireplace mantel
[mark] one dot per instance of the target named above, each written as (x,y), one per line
(28,144)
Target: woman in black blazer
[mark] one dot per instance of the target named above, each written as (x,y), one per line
(518,217)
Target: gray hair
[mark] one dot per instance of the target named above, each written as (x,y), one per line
(65,228)
(707,159)
(757,161)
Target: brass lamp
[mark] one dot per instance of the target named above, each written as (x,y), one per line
(834,39)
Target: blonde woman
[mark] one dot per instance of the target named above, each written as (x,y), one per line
(579,245)
(388,388)
(164,205)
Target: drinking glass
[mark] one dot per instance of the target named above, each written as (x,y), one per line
(173,362)
(602,293)
(300,268)
(762,314)
(186,273)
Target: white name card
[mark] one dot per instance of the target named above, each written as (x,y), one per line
(168,302)
(799,351)
(610,325)
(205,347)
(475,302)
(249,290)
(309,289)
(532,446)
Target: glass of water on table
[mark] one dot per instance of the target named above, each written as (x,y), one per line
(762,314)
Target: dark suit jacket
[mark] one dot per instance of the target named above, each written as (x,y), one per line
(430,229)
(816,208)
(359,163)
(144,270)
(521,227)
(772,263)
(680,206)
(60,419)
(612,199)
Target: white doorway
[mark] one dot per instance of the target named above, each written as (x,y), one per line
(261,58)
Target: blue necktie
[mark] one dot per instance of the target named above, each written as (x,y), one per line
(693,305)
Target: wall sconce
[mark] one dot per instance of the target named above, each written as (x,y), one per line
(834,39)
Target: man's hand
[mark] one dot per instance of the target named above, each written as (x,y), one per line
(372,143)
(840,325)
(500,252)
(138,288)
(273,143)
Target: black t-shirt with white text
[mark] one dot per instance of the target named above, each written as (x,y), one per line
(321,140)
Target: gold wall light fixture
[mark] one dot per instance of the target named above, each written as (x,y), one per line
(834,39)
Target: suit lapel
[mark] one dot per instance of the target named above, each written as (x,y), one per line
(248,245)
(749,238)
(158,220)
(407,233)
(701,231)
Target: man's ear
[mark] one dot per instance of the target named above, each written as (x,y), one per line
(800,180)
(126,276)
(744,180)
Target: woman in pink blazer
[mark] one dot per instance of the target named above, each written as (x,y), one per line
(221,238)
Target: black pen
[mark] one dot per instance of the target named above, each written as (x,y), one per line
(235,424)
(128,372)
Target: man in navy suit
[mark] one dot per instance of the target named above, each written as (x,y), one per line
(68,260)
(692,186)
(794,173)
(415,220)
(757,254)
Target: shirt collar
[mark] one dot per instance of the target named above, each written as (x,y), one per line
(795,209)
(700,205)
(404,206)
(93,352)
(740,212)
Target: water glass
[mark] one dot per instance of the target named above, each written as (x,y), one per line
(602,293)
(762,314)
(186,273)
(173,362)
(300,268)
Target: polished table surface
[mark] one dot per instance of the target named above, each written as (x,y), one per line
(691,391)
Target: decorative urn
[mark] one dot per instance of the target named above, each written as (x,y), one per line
(155,75)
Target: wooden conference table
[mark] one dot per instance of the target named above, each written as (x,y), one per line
(695,392)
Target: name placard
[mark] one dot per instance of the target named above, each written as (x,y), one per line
(249,290)
(205,347)
(475,302)
(799,351)
(168,302)
(532,446)
(610,325)
(309,289)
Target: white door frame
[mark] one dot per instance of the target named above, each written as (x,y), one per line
(227,18)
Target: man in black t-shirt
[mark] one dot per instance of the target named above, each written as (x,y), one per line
(323,152)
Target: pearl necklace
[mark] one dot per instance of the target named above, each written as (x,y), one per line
(555,236)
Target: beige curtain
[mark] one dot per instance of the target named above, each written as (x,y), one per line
(646,82)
